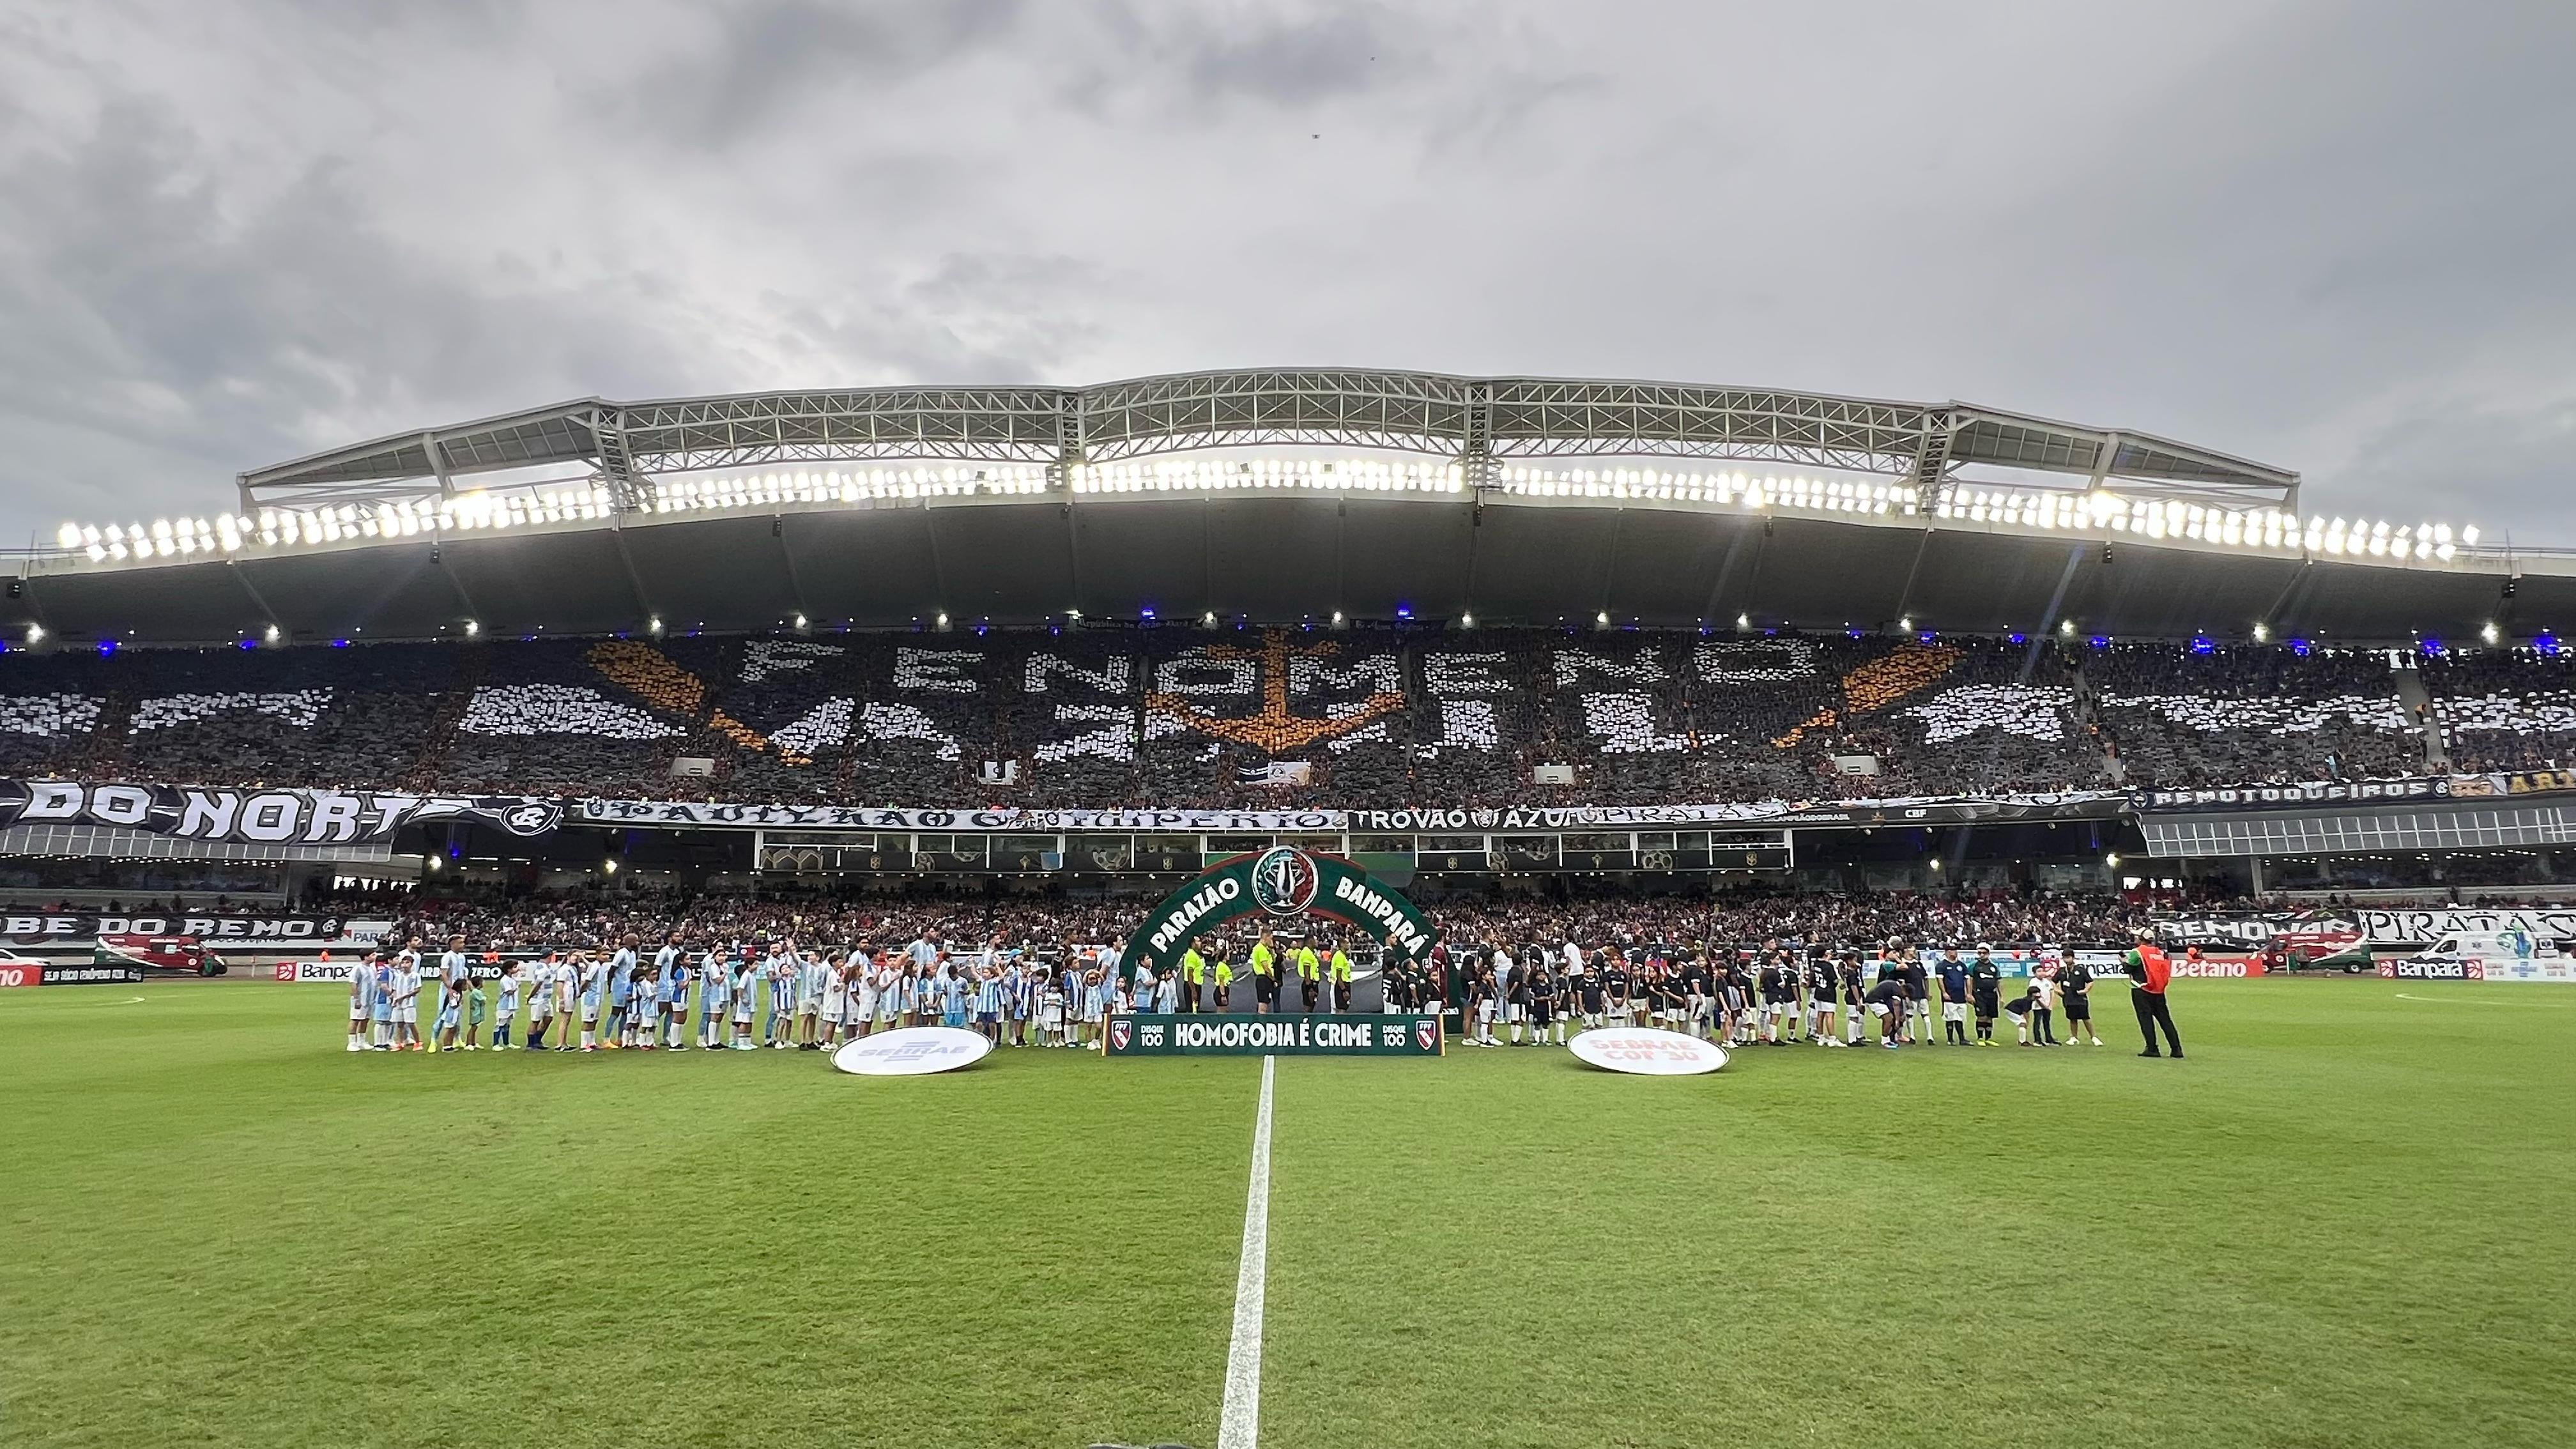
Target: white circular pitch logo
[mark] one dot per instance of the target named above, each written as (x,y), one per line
(1648,1053)
(913,1051)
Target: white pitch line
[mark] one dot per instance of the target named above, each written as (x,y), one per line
(1240,1425)
(2474,1001)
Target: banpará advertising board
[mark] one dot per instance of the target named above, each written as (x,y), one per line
(1276,1034)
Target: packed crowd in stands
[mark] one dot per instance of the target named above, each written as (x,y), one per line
(2506,710)
(2231,715)
(1185,717)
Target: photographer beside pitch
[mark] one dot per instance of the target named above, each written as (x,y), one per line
(2148,973)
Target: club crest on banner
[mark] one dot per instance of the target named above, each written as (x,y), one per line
(1120,1032)
(1426,1033)
(1284,880)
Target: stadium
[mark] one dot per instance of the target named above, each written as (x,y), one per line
(1232,731)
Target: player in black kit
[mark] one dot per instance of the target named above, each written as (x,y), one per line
(1824,986)
(1779,998)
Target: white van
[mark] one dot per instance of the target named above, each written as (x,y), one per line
(2508,955)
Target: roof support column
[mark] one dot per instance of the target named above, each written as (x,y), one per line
(628,490)
(438,464)
(1930,472)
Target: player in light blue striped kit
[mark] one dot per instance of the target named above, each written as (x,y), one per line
(621,992)
(715,991)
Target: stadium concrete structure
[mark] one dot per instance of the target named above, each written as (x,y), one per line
(1311,497)
(1377,495)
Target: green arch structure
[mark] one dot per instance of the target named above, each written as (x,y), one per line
(1237,886)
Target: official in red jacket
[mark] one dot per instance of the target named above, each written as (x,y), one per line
(2148,971)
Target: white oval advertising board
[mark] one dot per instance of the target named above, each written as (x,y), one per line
(912,1052)
(1648,1053)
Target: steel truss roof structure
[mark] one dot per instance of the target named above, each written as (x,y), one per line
(1481,422)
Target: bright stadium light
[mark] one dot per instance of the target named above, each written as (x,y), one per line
(2490,633)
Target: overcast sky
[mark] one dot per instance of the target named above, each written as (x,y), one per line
(2339,237)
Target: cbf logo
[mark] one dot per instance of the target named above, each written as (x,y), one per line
(1284,880)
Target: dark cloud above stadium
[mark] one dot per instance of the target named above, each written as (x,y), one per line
(2333,236)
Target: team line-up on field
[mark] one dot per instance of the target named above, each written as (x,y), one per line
(781,997)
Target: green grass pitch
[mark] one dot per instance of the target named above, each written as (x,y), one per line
(2341,1223)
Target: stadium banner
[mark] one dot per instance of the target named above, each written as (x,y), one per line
(2423,928)
(2312,932)
(82,928)
(301,817)
(1283,883)
(2536,782)
(1902,810)
(1277,1034)
(2299,796)
(1925,810)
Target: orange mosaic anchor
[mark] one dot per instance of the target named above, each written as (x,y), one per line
(1274,730)
(650,675)
(1878,684)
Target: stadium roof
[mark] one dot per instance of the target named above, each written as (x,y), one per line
(1273,556)
(628,445)
(1047,501)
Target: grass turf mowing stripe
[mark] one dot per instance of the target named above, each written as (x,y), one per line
(2330,1226)
(1239,1423)
(221,1228)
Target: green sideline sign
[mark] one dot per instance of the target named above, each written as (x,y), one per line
(1274,1035)
(1280,883)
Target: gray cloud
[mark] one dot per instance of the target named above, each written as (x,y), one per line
(739,68)
(2326,235)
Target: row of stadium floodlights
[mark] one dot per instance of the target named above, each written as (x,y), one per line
(2100,511)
